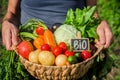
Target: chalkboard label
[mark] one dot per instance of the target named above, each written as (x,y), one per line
(80,44)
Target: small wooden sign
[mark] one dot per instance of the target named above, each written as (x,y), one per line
(80,44)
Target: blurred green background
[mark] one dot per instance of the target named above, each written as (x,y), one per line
(108,10)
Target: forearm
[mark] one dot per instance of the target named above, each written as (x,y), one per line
(13,12)
(92,3)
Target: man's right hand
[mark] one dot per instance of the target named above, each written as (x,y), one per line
(9,35)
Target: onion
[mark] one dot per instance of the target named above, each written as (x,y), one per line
(61,60)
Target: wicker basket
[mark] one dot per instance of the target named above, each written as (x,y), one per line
(69,72)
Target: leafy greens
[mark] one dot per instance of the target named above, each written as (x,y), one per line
(10,66)
(84,21)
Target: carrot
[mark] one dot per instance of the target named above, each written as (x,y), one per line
(38,42)
(49,38)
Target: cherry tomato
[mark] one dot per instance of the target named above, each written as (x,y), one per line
(57,50)
(63,46)
(85,54)
(40,30)
(46,47)
(24,49)
(69,53)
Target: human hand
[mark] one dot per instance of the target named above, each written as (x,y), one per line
(105,34)
(9,35)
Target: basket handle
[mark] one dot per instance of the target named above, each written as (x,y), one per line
(15,49)
(99,49)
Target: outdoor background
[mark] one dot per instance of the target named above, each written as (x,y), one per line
(108,10)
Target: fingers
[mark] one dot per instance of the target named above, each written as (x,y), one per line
(6,38)
(9,35)
(105,34)
(109,37)
(14,37)
(8,42)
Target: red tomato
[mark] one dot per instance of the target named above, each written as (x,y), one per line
(63,46)
(85,54)
(69,53)
(46,47)
(57,50)
(40,30)
(24,48)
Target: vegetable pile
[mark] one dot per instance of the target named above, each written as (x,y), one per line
(44,46)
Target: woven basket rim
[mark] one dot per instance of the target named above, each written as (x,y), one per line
(95,54)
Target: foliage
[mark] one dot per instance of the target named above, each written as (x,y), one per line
(10,66)
(117,77)
(110,11)
(3,5)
